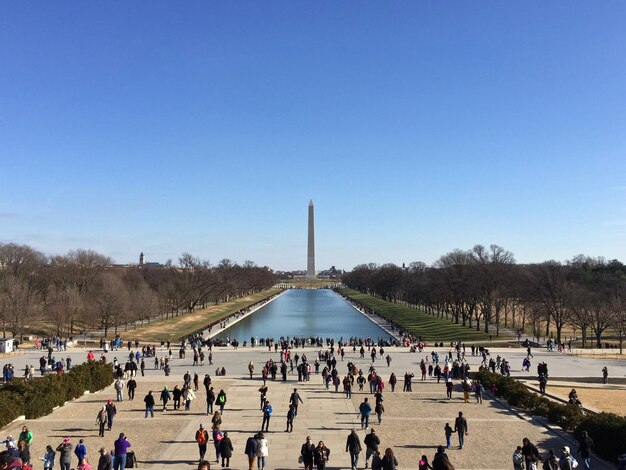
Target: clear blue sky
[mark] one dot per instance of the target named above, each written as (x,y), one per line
(416,127)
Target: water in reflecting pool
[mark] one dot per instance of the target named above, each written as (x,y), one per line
(305,313)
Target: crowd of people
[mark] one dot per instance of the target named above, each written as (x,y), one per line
(453,368)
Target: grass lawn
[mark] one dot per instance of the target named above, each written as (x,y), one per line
(175,328)
(418,323)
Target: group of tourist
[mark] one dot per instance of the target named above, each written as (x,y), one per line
(527,457)
(257,447)
(17,456)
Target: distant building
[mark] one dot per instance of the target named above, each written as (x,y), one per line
(332,273)
(144,264)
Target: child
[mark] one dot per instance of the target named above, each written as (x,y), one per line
(448,431)
(291,414)
(48,459)
(423,464)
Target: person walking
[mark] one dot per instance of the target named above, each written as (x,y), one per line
(389,460)
(448,432)
(65,454)
(321,455)
(165,397)
(307,453)
(101,420)
(366,410)
(371,441)
(221,400)
(290,417)
(216,420)
(379,409)
(543,381)
(294,399)
(262,451)
(605,375)
(423,464)
(111,412)
(392,381)
(177,393)
(479,392)
(119,389)
(263,391)
(188,395)
(250,450)
(449,388)
(149,401)
(567,461)
(226,449)
(105,462)
(441,460)
(460,427)
(217,440)
(202,437)
(585,449)
(121,446)
(267,415)
(353,446)
(408,377)
(131,386)
(466,391)
(210,399)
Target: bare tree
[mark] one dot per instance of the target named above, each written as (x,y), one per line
(110,300)
(490,266)
(552,288)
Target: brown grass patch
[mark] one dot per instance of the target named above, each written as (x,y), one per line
(175,328)
(611,401)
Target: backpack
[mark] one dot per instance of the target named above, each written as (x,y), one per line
(202,437)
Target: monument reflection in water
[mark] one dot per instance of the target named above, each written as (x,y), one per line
(305,313)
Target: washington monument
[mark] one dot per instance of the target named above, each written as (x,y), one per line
(310,264)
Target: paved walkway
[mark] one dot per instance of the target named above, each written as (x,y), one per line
(412,425)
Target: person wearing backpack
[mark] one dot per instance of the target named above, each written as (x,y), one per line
(551,463)
(202,437)
(221,401)
(567,462)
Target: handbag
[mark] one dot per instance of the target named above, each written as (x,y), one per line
(300,459)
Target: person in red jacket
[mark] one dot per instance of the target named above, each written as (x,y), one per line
(7,460)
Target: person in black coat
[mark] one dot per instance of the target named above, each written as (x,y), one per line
(441,461)
(250,450)
(226,450)
(321,455)
(307,453)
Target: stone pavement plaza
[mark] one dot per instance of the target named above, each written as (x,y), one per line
(412,425)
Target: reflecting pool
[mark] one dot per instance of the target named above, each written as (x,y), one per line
(305,313)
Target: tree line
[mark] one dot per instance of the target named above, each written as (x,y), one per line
(485,288)
(85,290)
